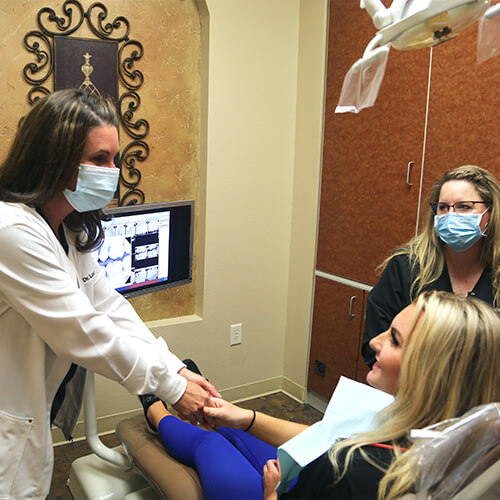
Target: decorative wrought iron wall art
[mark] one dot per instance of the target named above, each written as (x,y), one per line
(54,31)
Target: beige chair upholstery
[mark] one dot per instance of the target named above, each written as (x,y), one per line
(172,480)
(480,449)
(475,477)
(484,487)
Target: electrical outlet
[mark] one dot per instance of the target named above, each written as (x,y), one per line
(236,334)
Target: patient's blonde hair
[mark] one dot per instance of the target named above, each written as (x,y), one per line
(448,366)
(425,250)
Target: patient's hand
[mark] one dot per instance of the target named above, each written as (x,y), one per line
(227,414)
(272,476)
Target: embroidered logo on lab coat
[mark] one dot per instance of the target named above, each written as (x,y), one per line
(89,277)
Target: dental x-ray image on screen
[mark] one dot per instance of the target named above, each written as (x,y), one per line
(148,247)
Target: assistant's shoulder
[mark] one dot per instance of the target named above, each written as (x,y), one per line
(393,287)
(398,269)
(400,259)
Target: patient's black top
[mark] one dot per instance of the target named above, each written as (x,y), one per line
(317,480)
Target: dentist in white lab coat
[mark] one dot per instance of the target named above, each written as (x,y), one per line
(58,314)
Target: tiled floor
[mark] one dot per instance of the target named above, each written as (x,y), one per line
(278,405)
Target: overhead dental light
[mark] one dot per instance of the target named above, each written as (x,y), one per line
(415,24)
(406,24)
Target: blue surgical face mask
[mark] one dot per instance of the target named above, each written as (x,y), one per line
(459,231)
(95,188)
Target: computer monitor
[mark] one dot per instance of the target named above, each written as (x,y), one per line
(148,247)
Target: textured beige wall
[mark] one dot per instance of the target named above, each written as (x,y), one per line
(170,102)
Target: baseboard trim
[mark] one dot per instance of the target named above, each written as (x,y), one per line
(294,390)
(263,388)
(108,423)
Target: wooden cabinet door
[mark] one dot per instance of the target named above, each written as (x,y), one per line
(367,209)
(336,332)
(464,110)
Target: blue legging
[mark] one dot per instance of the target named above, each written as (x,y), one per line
(229,462)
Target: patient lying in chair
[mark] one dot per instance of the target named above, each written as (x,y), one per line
(427,359)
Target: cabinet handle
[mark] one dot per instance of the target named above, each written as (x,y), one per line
(351,314)
(410,164)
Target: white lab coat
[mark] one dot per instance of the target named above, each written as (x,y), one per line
(56,309)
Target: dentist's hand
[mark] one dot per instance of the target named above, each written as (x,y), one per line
(199,393)
(199,380)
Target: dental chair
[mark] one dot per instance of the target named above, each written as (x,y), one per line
(139,469)
(460,460)
(466,452)
(170,478)
(472,465)
(485,487)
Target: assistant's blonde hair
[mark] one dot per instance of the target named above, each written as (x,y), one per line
(425,250)
(449,364)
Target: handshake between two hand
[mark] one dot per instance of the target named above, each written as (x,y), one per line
(201,404)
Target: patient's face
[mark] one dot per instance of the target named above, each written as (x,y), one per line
(384,374)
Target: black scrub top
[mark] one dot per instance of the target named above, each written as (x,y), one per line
(392,294)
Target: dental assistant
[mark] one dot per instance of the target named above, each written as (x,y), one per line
(457,251)
(58,314)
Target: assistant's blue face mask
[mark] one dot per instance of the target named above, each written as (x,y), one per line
(459,231)
(95,187)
